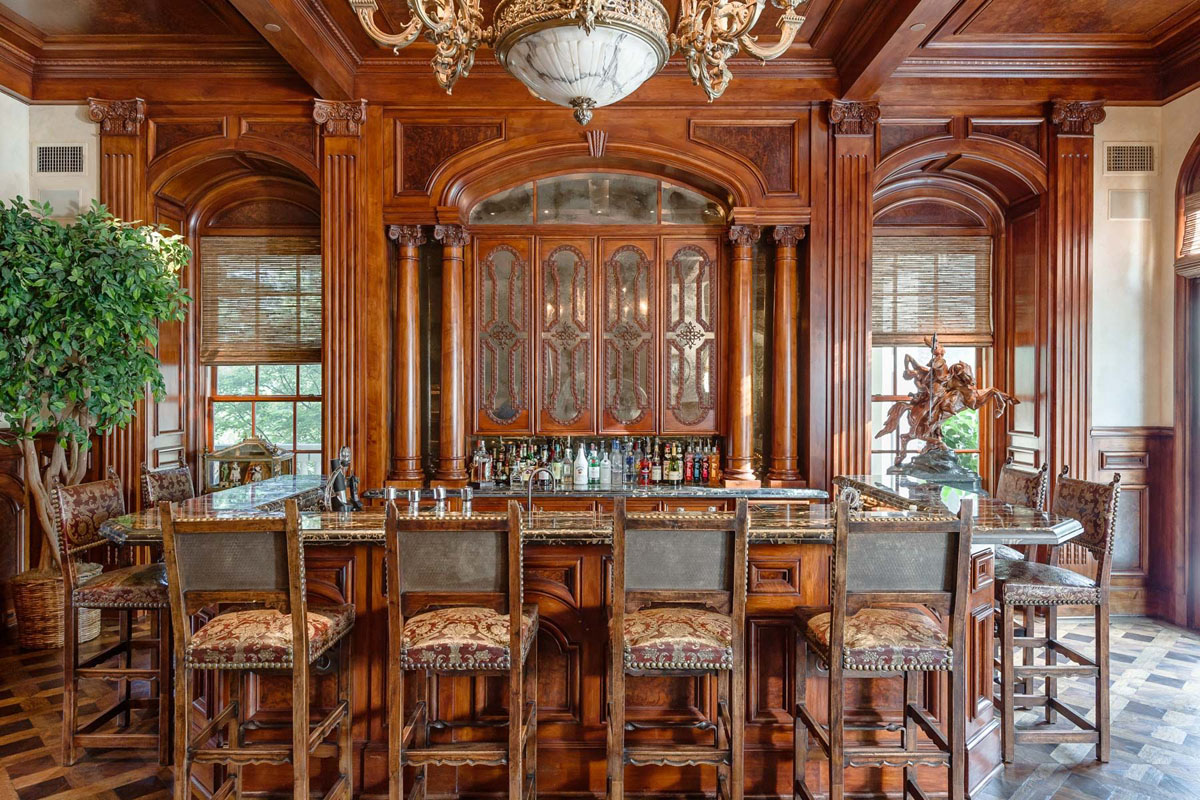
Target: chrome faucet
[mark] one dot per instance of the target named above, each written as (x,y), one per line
(532,475)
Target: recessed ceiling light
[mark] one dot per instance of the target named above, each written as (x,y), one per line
(273,28)
(920,26)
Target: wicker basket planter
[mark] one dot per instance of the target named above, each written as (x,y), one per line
(38,598)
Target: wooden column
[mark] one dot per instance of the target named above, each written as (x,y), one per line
(849,315)
(1071,146)
(123,190)
(341,254)
(739,440)
(785,365)
(452,460)
(406,405)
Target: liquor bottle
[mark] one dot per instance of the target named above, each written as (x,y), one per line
(617,467)
(581,469)
(644,469)
(556,464)
(593,466)
(676,471)
(688,463)
(633,461)
(702,465)
(501,467)
(714,463)
(656,472)
(605,476)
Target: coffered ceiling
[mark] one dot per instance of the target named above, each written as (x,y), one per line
(977,50)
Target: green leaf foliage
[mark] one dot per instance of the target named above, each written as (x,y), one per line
(80,306)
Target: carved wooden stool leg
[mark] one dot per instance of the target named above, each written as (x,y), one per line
(70,685)
(125,693)
(912,698)
(837,733)
(516,712)
(233,731)
(1051,659)
(162,660)
(1104,746)
(1007,712)
(183,731)
(799,729)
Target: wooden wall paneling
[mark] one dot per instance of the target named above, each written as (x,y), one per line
(374,438)
(814,329)
(630,334)
(1022,341)
(406,467)
(848,371)
(739,349)
(167,440)
(123,189)
(342,236)
(1071,147)
(501,314)
(785,363)
(565,310)
(452,456)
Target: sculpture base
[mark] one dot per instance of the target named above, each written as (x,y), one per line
(940,466)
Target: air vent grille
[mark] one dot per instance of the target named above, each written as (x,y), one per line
(60,158)
(1129,158)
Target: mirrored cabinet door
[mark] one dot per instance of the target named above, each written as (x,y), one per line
(690,335)
(503,379)
(629,341)
(566,284)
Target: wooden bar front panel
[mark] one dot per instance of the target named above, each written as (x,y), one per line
(569,585)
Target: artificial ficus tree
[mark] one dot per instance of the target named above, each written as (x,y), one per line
(80,306)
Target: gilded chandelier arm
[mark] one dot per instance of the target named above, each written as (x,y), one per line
(365,9)
(788,24)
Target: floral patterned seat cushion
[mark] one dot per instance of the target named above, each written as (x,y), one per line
(171,485)
(678,638)
(1030,583)
(466,638)
(885,639)
(1008,553)
(142,586)
(261,638)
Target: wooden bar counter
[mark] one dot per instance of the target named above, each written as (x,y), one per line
(567,568)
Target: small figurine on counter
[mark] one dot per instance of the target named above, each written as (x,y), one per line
(341,487)
(256,473)
(235,474)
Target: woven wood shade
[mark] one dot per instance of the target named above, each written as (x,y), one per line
(260,299)
(1191,225)
(931,284)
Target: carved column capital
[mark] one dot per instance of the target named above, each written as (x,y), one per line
(338,118)
(1076,117)
(407,235)
(452,235)
(118,117)
(853,117)
(744,235)
(788,235)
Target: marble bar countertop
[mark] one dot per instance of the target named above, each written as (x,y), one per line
(658,491)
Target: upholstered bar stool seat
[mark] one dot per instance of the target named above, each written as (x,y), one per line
(262,638)
(885,639)
(678,638)
(1006,553)
(465,637)
(1036,584)
(141,587)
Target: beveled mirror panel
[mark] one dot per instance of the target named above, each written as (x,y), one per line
(566,331)
(689,336)
(628,356)
(597,199)
(503,323)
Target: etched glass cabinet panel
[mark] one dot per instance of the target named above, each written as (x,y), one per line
(628,343)
(566,333)
(690,335)
(502,321)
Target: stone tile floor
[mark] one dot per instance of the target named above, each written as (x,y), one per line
(1155,701)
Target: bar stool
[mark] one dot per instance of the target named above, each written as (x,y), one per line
(1021,486)
(80,510)
(1037,585)
(173,485)
(679,610)
(446,578)
(878,563)
(255,562)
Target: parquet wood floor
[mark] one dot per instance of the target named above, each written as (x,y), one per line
(1156,730)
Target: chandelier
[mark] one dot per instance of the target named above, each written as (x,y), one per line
(583,54)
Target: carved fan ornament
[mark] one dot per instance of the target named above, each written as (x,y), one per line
(634,37)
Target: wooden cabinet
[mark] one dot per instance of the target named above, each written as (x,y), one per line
(596,335)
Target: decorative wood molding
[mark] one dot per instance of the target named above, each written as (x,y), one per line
(787,235)
(785,363)
(739,451)
(406,358)
(118,117)
(596,140)
(853,117)
(452,458)
(407,235)
(339,118)
(1076,117)
(744,235)
(452,235)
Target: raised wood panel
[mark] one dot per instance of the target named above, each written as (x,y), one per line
(298,136)
(894,134)
(1024,132)
(167,134)
(422,147)
(771,147)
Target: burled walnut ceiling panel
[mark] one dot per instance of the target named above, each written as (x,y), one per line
(131,17)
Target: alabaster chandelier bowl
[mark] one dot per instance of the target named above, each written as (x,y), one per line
(584,54)
(579,65)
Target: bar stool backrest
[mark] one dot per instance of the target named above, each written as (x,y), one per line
(1094,505)
(79,512)
(248,560)
(1023,486)
(903,559)
(671,557)
(455,561)
(173,485)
